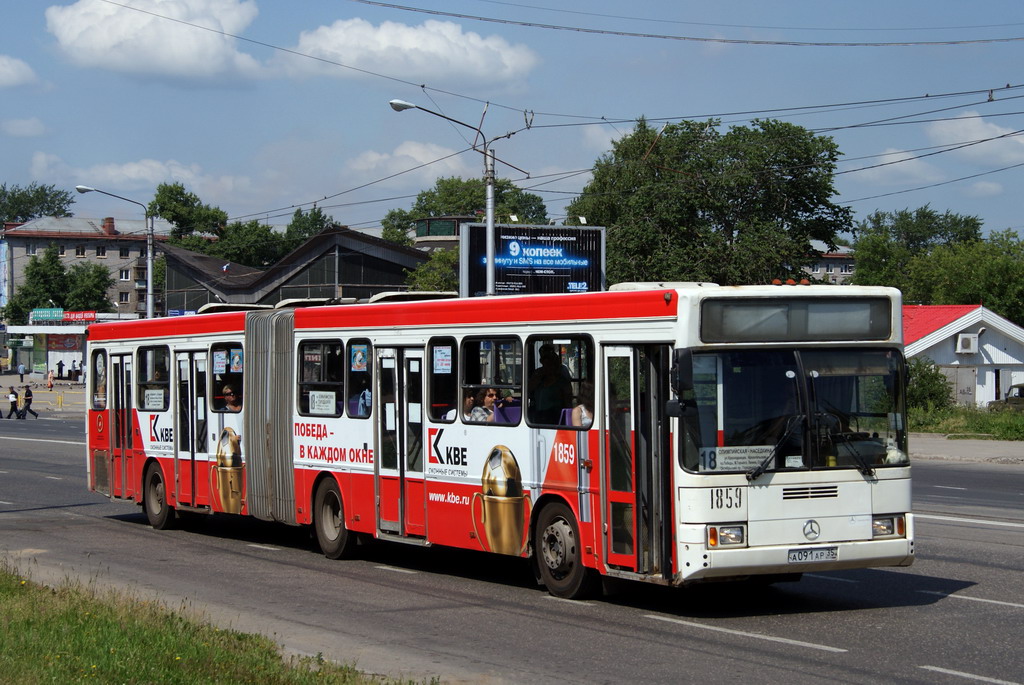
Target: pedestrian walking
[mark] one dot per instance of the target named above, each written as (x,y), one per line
(49,380)
(27,409)
(21,373)
(12,396)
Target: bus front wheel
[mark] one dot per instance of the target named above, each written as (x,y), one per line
(329,520)
(159,513)
(560,558)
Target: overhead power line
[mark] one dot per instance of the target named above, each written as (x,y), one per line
(692,39)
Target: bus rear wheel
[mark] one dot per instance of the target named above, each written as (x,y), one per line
(329,521)
(154,499)
(559,557)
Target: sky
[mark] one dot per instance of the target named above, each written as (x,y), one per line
(261,107)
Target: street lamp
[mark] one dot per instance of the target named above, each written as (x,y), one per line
(401,106)
(149,243)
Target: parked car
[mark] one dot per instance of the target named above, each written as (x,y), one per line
(1014,400)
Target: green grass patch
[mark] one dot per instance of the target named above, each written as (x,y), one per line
(999,425)
(74,633)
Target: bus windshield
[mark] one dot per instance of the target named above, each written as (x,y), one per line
(780,409)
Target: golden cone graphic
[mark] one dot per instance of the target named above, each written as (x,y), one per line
(227,472)
(505,508)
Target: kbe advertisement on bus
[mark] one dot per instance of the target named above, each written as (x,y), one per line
(532,259)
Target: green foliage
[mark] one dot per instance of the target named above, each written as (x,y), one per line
(987,271)
(886,243)
(47,284)
(73,633)
(967,421)
(456,196)
(303,226)
(185,210)
(33,201)
(439,272)
(87,288)
(928,388)
(690,203)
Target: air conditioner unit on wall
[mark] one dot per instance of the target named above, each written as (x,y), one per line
(967,343)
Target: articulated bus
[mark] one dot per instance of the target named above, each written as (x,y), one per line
(668,433)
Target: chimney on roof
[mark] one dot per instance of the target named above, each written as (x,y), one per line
(108,226)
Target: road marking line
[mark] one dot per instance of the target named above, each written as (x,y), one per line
(272,549)
(57,442)
(963,520)
(54,478)
(574,602)
(398,570)
(971,676)
(947,487)
(2,502)
(973,599)
(741,633)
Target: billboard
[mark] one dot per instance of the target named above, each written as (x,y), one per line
(532,259)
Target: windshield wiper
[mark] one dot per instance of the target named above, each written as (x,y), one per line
(756,472)
(862,465)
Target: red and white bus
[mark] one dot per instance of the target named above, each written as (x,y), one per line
(669,433)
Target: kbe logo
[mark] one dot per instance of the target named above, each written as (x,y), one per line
(157,434)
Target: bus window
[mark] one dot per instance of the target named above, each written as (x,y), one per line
(154,389)
(560,388)
(443,383)
(493,370)
(228,362)
(98,378)
(360,378)
(321,378)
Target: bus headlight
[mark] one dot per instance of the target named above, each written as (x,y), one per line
(888,526)
(731,535)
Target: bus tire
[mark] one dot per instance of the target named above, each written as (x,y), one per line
(329,521)
(559,554)
(154,499)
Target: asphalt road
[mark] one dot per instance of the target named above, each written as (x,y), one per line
(954,616)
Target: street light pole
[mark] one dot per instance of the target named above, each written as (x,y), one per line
(149,243)
(401,106)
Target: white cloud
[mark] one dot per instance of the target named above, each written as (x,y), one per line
(432,50)
(971,127)
(906,171)
(599,138)
(23,128)
(101,35)
(15,72)
(143,175)
(985,189)
(407,156)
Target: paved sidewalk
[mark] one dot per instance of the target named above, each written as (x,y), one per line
(938,446)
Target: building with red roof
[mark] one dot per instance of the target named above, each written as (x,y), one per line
(980,352)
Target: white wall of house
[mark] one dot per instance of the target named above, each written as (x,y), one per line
(999,362)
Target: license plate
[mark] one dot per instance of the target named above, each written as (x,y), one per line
(804,555)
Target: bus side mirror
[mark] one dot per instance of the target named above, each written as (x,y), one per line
(680,409)
(682,371)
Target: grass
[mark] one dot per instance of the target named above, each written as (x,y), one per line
(73,633)
(997,425)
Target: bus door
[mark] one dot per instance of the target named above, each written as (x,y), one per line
(121,422)
(401,504)
(637,459)
(191,456)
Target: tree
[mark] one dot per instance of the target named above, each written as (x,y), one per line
(456,196)
(439,272)
(691,203)
(886,242)
(303,226)
(185,210)
(928,387)
(46,284)
(987,271)
(22,204)
(87,288)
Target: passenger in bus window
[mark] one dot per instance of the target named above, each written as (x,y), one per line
(550,390)
(483,411)
(232,399)
(583,413)
(363,399)
(468,402)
